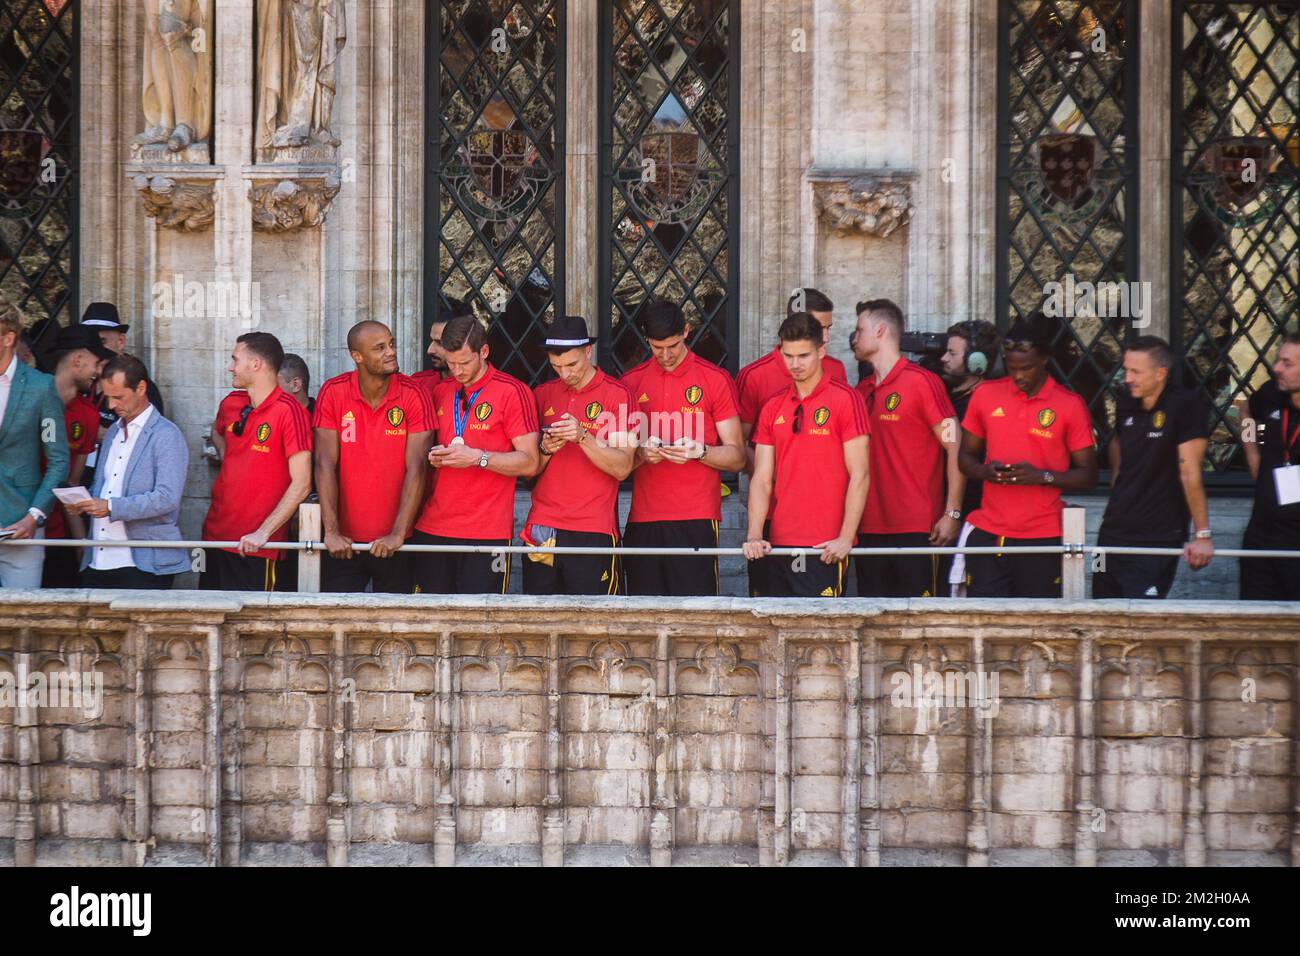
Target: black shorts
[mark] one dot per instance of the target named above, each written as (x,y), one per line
(902,576)
(224,571)
(1135,576)
(391,575)
(1268,579)
(804,576)
(1010,574)
(671,575)
(574,573)
(462,572)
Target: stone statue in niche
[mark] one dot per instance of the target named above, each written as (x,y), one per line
(177,81)
(298,47)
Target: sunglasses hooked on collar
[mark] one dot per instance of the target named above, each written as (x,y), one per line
(238,427)
(798,420)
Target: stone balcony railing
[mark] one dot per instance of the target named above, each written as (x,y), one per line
(245,729)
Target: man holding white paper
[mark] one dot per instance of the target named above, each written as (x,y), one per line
(1271,441)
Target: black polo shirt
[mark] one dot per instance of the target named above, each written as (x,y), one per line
(1273,525)
(1147,507)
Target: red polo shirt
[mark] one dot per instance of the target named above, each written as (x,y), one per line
(372,448)
(762,379)
(687,402)
(81,422)
(810,478)
(573,494)
(908,463)
(474,502)
(255,468)
(1042,430)
(430,379)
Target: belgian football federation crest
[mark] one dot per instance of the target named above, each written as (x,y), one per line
(1065,177)
(821,416)
(1046,417)
(593,410)
(1158,421)
(77,431)
(482,410)
(263,433)
(1238,180)
(893,401)
(396,416)
(496,174)
(694,394)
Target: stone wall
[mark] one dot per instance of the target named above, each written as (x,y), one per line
(289,729)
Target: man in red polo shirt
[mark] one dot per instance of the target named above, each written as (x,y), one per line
(810,470)
(686,410)
(1028,439)
(373,427)
(586,452)
(265,470)
(438,372)
(763,378)
(78,355)
(915,441)
(487,434)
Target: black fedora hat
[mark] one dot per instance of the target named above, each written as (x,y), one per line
(103,315)
(567,332)
(76,337)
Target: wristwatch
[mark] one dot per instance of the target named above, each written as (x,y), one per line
(955,515)
(1204,533)
(1049,477)
(37,516)
(483,460)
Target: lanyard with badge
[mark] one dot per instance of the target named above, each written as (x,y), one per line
(461,418)
(1286,477)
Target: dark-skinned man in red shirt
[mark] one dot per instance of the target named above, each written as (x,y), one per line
(373,428)
(1028,439)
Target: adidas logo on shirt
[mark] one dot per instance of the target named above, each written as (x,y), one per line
(999,413)
(828,592)
(780,420)
(549,411)
(644,397)
(604,575)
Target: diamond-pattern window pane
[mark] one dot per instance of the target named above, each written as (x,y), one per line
(38,157)
(669,173)
(495,178)
(1066,183)
(1237,179)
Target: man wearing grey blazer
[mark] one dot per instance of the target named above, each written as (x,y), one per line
(33,456)
(137,490)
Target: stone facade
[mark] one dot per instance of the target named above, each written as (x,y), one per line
(296,729)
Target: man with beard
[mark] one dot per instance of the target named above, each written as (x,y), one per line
(430,377)
(1274,462)
(78,356)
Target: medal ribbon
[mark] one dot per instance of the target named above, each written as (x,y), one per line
(1290,438)
(458,419)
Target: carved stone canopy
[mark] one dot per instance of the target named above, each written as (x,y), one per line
(874,202)
(287,197)
(179,196)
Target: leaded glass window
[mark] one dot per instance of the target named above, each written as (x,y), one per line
(669,172)
(38,157)
(1067,176)
(1236,154)
(495,171)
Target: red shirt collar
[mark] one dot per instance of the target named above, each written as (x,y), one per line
(354,382)
(271,397)
(820,387)
(894,372)
(482,382)
(596,379)
(681,368)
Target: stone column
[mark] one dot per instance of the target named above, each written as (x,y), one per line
(582,232)
(25,733)
(1155,101)
(1085,755)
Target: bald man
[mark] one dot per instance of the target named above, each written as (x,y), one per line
(373,428)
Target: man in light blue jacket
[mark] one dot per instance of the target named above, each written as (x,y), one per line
(137,490)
